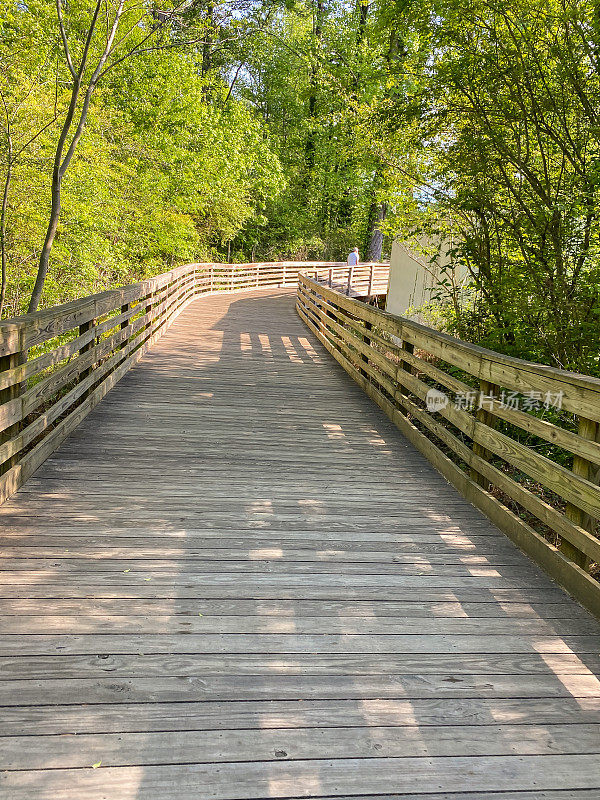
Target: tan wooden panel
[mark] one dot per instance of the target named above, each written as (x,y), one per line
(237,688)
(290,714)
(169,747)
(261,665)
(581,392)
(201,622)
(440,611)
(288,779)
(570,575)
(358,615)
(562,481)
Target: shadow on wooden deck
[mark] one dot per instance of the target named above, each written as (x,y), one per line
(237,580)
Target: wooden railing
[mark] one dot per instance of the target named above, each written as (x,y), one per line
(57,364)
(362,280)
(521,441)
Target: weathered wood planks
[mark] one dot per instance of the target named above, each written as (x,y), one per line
(393,365)
(57,364)
(237,580)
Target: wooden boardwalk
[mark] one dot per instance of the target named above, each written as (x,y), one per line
(237,580)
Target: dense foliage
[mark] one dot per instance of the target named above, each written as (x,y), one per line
(298,128)
(504,145)
(161,175)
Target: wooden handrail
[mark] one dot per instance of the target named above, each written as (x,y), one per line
(463,406)
(57,364)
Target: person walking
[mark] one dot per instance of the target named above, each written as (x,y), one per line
(353,258)
(352,262)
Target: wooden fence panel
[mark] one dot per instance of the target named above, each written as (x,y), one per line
(547,502)
(57,364)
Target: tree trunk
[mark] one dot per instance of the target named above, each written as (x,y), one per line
(362,21)
(38,288)
(360,36)
(310,145)
(61,164)
(3,225)
(207,48)
(375,245)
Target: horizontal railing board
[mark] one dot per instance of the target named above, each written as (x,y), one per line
(561,480)
(581,392)
(545,430)
(385,371)
(109,332)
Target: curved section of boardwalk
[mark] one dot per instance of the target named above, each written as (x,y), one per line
(236,580)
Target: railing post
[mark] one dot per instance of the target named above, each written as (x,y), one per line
(331,277)
(150,305)
(11,393)
(84,328)
(370,289)
(367,341)
(284,275)
(405,366)
(350,276)
(487,391)
(231,280)
(409,348)
(124,324)
(212,277)
(587,429)
(257,276)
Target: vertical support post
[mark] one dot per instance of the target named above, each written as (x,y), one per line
(84,328)
(124,325)
(150,306)
(409,348)
(257,276)
(405,366)
(370,289)
(11,393)
(350,276)
(173,295)
(587,429)
(486,390)
(284,274)
(175,287)
(231,280)
(331,277)
(367,341)
(212,277)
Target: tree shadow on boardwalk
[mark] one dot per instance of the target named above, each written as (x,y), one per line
(237,580)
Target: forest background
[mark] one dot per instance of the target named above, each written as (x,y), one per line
(296,129)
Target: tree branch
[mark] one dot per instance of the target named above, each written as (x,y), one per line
(63,36)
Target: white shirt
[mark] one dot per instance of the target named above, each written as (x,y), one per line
(353,259)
